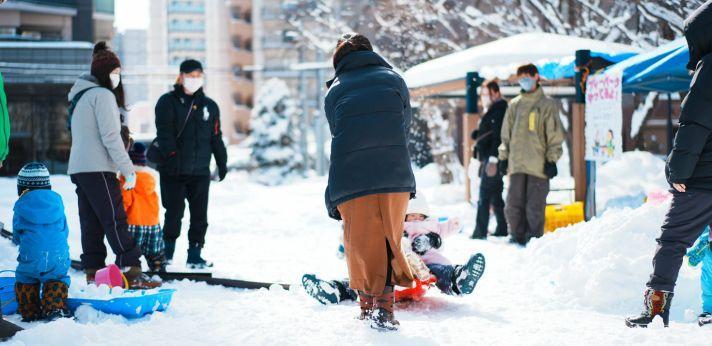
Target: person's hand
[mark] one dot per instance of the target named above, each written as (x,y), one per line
(435,240)
(550,169)
(130,181)
(679,187)
(502,166)
(222,172)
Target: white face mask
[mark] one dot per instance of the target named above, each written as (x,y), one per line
(115,80)
(192,84)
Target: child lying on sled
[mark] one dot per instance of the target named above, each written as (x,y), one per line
(423,240)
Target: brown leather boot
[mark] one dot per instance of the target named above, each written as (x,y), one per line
(366,303)
(138,280)
(54,300)
(28,301)
(382,317)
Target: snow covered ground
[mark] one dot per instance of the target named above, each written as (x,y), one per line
(574,286)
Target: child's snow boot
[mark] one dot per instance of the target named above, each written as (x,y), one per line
(704,319)
(465,278)
(170,248)
(28,301)
(382,317)
(54,300)
(138,280)
(656,303)
(156,264)
(194,259)
(365,301)
(326,292)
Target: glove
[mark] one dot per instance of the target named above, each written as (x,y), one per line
(502,166)
(222,172)
(423,243)
(550,169)
(130,181)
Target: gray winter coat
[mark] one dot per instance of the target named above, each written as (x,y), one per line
(96,131)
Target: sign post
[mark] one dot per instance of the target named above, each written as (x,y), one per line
(604,122)
(470,123)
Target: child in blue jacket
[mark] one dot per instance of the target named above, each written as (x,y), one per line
(702,253)
(40,229)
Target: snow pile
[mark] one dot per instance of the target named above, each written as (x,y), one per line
(104,292)
(274,149)
(632,174)
(604,264)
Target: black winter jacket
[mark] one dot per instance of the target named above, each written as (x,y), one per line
(201,139)
(368,110)
(690,161)
(490,131)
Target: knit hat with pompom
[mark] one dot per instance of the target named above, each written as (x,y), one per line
(103,61)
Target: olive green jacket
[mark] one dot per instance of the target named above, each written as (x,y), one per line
(531,134)
(4,124)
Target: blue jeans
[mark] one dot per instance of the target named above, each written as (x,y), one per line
(444,274)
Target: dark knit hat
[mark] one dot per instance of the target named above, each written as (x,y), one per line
(33,176)
(138,154)
(103,60)
(190,65)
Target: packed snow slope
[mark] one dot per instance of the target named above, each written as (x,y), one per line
(574,286)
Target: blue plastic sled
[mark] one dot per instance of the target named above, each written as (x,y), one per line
(7,293)
(129,307)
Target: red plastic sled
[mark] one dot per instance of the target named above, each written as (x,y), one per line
(414,293)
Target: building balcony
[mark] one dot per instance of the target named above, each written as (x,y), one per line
(185,27)
(245,5)
(104,6)
(185,8)
(173,47)
(241,57)
(241,28)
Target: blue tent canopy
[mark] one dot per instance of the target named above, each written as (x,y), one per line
(566,67)
(662,69)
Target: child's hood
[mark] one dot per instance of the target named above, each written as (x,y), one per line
(145,182)
(40,206)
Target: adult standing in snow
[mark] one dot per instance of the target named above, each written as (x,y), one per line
(370,177)
(689,171)
(488,139)
(97,151)
(531,144)
(188,135)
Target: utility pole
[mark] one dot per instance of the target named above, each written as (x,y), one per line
(319,121)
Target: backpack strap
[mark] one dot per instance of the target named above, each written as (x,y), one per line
(73,104)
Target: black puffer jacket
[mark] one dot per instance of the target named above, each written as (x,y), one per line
(690,162)
(368,109)
(201,139)
(488,135)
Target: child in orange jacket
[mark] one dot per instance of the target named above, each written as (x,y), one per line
(141,204)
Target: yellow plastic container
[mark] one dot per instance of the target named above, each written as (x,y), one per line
(562,215)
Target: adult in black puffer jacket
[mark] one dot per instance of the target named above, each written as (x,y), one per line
(689,171)
(488,137)
(370,178)
(188,135)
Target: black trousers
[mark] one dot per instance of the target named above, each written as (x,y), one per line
(689,213)
(490,196)
(174,191)
(526,205)
(102,214)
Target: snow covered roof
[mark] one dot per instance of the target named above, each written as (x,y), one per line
(501,57)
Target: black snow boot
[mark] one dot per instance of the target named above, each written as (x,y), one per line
(194,259)
(656,303)
(169,250)
(704,319)
(382,317)
(327,292)
(465,277)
